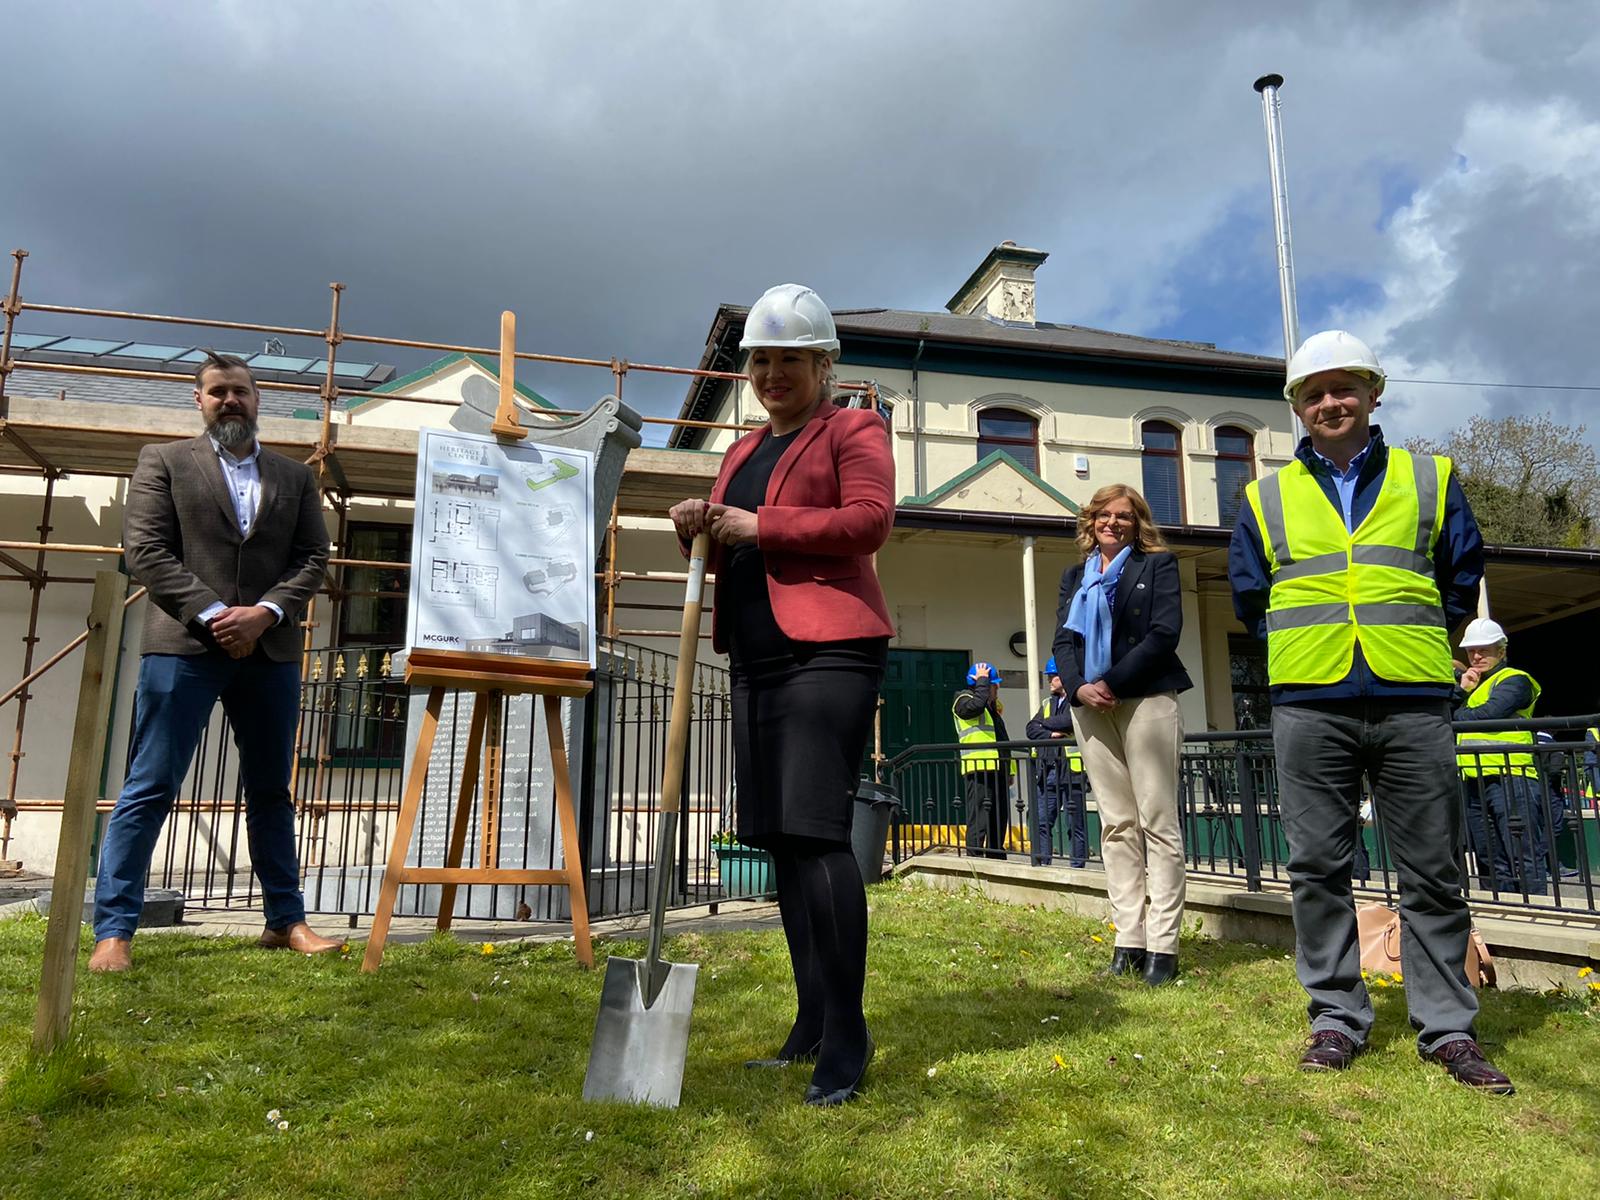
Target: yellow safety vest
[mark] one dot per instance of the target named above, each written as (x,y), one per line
(1333,588)
(1473,763)
(1074,760)
(1589,792)
(973,735)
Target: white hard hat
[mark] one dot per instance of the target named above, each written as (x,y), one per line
(790,315)
(1482,632)
(1331,350)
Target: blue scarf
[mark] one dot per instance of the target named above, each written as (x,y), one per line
(1090,614)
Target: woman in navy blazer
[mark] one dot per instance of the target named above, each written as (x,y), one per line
(1116,643)
(799,508)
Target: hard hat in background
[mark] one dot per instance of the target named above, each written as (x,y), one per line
(791,316)
(1050,666)
(1331,350)
(972,674)
(1482,632)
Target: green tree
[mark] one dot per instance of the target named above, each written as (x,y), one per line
(1531,481)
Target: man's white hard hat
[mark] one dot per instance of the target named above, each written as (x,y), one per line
(790,316)
(1331,350)
(1482,632)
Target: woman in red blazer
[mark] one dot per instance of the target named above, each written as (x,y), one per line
(798,510)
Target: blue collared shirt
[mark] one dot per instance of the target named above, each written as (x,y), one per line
(1344,482)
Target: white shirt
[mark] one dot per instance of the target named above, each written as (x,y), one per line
(243,478)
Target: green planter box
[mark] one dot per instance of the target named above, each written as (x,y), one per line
(745,871)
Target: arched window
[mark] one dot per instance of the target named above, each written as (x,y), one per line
(1163,471)
(1236,467)
(1014,432)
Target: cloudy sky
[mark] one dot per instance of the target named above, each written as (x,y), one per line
(612,171)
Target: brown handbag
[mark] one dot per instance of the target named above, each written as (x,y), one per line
(1378,931)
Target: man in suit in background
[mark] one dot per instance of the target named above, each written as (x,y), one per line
(229,538)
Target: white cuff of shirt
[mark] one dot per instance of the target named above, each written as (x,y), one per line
(211,611)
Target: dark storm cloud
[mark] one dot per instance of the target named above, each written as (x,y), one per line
(612,172)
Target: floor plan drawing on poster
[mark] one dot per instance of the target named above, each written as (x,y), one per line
(503,549)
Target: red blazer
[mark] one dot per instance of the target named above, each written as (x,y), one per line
(830,506)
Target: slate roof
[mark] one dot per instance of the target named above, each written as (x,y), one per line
(1079,342)
(168,393)
(123,355)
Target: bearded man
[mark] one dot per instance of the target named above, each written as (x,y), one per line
(229,539)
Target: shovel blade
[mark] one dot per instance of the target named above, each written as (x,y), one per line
(639,1048)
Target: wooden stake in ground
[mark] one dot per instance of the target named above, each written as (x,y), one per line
(56,981)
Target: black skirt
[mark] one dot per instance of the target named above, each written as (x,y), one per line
(801,721)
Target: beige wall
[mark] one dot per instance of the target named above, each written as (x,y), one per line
(1099,423)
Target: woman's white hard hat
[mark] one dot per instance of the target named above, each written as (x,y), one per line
(790,316)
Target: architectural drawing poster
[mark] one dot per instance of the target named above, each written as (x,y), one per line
(502,555)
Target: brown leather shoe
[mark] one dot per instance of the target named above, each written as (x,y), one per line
(1467,1065)
(1329,1050)
(112,956)
(299,938)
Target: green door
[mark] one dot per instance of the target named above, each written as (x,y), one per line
(918,687)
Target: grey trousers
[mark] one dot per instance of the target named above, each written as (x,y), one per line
(1405,749)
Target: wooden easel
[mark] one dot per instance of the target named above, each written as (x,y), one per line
(491,678)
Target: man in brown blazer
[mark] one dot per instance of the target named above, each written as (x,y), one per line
(229,538)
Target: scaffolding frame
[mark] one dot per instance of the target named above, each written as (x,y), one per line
(333,483)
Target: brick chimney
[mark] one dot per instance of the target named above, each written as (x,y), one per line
(1002,286)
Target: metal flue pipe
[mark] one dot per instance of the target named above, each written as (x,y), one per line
(1268,86)
(1271,116)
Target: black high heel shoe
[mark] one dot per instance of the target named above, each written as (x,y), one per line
(1160,969)
(818,1098)
(766,1064)
(1126,960)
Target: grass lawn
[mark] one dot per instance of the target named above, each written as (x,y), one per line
(1005,1068)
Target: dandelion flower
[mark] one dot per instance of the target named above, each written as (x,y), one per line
(486,948)
(1095,937)
(1585,972)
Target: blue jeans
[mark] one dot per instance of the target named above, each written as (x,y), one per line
(1061,790)
(173,702)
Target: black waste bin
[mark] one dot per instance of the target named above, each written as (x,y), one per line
(876,807)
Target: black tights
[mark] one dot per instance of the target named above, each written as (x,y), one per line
(824,909)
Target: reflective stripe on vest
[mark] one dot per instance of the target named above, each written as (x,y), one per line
(1474,762)
(1333,589)
(1074,761)
(973,735)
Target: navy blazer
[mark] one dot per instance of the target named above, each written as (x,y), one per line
(1146,621)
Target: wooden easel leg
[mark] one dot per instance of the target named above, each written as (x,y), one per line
(577,893)
(493,764)
(405,821)
(463,816)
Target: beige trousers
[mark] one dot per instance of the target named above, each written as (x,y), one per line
(1131,755)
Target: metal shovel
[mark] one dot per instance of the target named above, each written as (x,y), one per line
(641,1035)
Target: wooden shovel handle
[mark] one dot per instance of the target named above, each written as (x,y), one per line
(683,682)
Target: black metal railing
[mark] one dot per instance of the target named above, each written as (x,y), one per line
(350,756)
(1530,830)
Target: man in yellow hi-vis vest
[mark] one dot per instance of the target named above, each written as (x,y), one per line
(1058,776)
(984,770)
(1354,562)
(1507,822)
